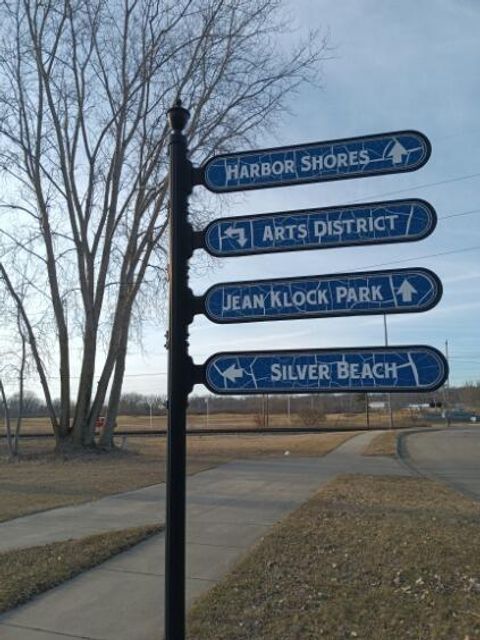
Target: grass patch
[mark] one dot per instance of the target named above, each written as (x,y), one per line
(39,480)
(384,444)
(367,557)
(252,446)
(25,573)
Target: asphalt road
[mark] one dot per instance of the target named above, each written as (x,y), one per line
(451,455)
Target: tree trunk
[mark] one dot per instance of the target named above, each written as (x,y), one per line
(35,353)
(85,388)
(106,438)
(117,344)
(21,386)
(8,428)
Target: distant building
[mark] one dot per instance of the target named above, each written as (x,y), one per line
(377,405)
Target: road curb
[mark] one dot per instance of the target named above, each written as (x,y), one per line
(403,454)
(404,457)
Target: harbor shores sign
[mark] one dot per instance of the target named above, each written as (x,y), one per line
(364,156)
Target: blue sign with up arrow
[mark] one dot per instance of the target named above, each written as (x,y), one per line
(371,223)
(360,157)
(372,369)
(348,294)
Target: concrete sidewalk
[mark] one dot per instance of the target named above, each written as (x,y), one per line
(229,508)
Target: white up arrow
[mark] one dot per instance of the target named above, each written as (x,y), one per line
(232,373)
(397,152)
(238,234)
(406,290)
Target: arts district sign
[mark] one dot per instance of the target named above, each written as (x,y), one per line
(320,228)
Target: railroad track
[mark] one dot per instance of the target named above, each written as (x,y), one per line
(272,431)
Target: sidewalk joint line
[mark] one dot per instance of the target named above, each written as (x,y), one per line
(132,572)
(55,633)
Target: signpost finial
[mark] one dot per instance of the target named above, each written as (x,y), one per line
(178,116)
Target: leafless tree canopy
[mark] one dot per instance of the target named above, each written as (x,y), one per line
(84,87)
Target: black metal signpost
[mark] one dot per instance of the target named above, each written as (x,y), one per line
(180,373)
(311,371)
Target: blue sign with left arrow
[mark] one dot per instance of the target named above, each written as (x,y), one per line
(359,157)
(347,294)
(373,369)
(404,220)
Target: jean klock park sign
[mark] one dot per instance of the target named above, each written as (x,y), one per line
(395,291)
(367,369)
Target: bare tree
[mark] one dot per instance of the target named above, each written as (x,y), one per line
(15,364)
(84,87)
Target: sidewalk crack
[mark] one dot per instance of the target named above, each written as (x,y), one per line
(55,633)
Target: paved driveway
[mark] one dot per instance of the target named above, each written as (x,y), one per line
(451,455)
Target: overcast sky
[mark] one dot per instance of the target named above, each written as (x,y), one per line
(395,65)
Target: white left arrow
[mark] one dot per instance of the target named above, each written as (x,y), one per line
(232,373)
(237,234)
(406,291)
(397,152)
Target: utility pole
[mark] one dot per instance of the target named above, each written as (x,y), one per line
(389,395)
(367,411)
(265,411)
(447,388)
(180,372)
(150,411)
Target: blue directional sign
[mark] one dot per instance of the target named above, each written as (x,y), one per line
(344,294)
(361,224)
(360,157)
(412,368)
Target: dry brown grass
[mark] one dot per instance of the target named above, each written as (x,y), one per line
(25,573)
(40,480)
(241,446)
(368,557)
(384,444)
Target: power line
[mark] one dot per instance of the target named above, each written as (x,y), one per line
(127,375)
(461,354)
(462,213)
(422,186)
(429,255)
